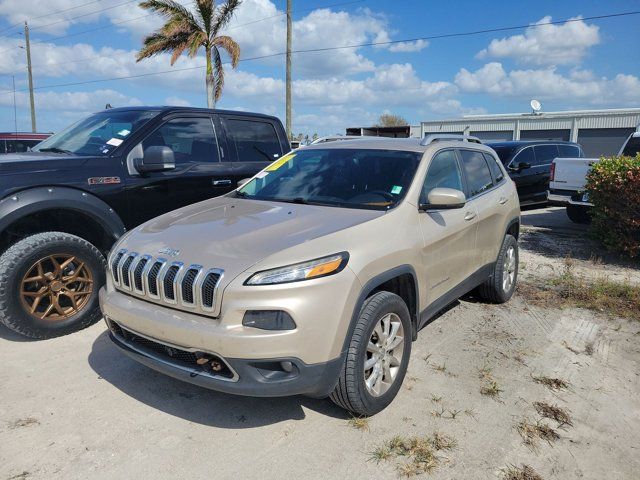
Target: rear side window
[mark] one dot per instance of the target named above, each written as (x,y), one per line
(254,141)
(545,154)
(477,172)
(496,171)
(444,172)
(632,147)
(191,139)
(569,151)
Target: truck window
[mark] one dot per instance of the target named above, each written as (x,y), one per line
(191,139)
(632,147)
(569,151)
(477,172)
(545,154)
(254,141)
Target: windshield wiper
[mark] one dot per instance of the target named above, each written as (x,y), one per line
(55,150)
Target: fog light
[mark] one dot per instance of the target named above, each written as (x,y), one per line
(268,320)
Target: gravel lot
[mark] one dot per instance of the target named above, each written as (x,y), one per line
(74,407)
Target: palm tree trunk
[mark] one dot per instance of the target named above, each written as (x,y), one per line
(211,101)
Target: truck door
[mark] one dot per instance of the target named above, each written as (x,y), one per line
(199,171)
(253,143)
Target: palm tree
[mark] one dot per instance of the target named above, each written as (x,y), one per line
(184,31)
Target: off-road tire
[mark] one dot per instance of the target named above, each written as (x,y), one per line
(14,263)
(492,289)
(351,393)
(579,214)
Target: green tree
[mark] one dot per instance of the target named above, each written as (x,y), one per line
(188,31)
(391,120)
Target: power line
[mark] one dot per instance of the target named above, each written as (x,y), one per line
(341,47)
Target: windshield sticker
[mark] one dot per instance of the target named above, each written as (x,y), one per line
(262,174)
(124,132)
(116,142)
(396,189)
(278,163)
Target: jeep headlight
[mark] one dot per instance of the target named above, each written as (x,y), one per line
(320,267)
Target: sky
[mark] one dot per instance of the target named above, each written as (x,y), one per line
(79,47)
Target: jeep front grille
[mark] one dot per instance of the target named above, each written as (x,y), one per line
(160,280)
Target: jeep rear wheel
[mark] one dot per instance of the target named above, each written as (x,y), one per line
(499,287)
(377,357)
(49,285)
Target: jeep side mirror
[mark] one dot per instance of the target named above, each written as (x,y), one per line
(444,198)
(155,159)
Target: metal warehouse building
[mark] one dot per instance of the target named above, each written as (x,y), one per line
(600,132)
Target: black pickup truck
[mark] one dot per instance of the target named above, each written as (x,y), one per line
(64,204)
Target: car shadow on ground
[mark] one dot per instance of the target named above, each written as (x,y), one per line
(550,233)
(194,403)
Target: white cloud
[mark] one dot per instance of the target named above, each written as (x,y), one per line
(177,102)
(580,87)
(71,101)
(416,46)
(547,44)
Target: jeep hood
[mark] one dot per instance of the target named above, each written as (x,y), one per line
(233,234)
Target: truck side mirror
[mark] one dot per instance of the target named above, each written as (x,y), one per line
(155,159)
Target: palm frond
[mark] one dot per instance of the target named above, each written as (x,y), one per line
(218,74)
(196,40)
(158,43)
(170,9)
(230,45)
(224,16)
(206,9)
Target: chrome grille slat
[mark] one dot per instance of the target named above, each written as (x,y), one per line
(192,287)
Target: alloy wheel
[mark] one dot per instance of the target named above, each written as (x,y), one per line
(509,269)
(384,354)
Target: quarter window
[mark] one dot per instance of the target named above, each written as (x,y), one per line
(254,141)
(191,139)
(477,172)
(444,172)
(496,171)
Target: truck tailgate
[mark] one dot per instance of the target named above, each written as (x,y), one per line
(570,173)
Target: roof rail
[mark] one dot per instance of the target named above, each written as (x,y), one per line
(429,139)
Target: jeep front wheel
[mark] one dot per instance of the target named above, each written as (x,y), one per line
(377,357)
(49,285)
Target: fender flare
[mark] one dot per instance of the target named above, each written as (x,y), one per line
(369,287)
(33,200)
(515,221)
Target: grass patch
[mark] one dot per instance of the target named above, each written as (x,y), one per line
(23,422)
(359,423)
(532,433)
(491,389)
(553,412)
(523,472)
(551,383)
(620,299)
(421,453)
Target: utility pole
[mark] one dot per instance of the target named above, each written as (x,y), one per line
(33,104)
(288,93)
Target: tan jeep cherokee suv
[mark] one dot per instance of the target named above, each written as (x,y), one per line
(315,276)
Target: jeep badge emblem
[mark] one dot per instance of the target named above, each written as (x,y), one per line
(172,252)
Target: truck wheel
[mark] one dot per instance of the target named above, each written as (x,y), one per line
(49,285)
(578,214)
(377,357)
(499,287)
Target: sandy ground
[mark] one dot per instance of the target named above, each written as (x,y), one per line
(75,408)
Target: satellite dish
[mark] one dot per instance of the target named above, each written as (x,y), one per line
(536,106)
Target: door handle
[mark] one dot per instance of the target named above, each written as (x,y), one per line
(503,200)
(218,183)
(469,216)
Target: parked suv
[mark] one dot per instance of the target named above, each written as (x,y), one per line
(529,164)
(315,276)
(64,204)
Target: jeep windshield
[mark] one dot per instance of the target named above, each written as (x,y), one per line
(98,134)
(351,178)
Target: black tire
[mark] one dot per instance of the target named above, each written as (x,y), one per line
(579,214)
(351,392)
(19,259)
(493,289)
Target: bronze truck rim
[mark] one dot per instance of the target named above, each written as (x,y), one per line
(56,287)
